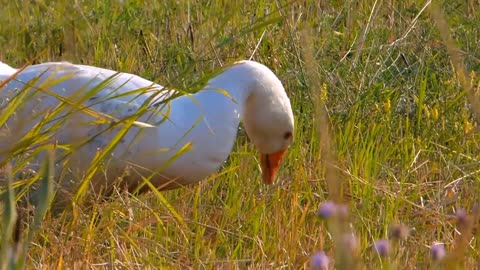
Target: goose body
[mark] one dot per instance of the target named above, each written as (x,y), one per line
(204,123)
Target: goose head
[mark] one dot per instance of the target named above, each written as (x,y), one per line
(267,117)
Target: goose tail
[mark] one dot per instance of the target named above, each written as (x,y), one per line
(6,70)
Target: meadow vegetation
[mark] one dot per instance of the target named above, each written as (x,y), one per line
(385,125)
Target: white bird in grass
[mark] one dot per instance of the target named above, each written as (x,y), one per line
(207,120)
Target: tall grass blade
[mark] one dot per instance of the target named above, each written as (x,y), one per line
(9,219)
(45,195)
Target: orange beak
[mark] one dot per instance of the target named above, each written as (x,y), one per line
(270,163)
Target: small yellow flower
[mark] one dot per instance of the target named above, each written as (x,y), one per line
(472,77)
(324,93)
(427,111)
(387,106)
(434,113)
(467,124)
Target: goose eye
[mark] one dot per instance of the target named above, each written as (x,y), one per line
(287,135)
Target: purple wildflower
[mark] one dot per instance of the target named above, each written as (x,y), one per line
(319,261)
(438,251)
(349,242)
(382,247)
(327,209)
(461,214)
(462,217)
(342,211)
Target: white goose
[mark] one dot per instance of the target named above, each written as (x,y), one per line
(208,119)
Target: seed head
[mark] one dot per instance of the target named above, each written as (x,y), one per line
(399,232)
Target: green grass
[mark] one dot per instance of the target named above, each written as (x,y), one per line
(382,123)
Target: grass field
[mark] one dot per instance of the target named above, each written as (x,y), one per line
(384,105)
